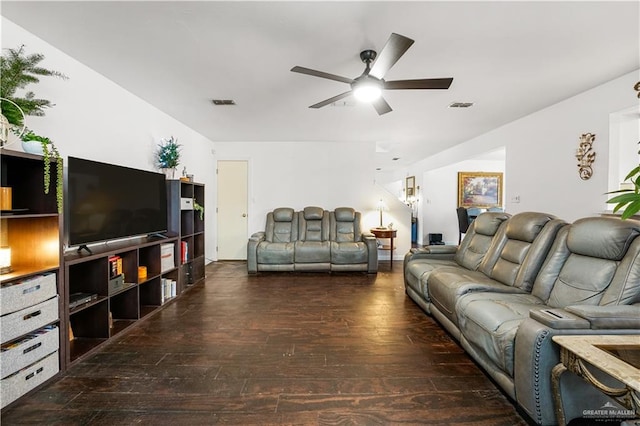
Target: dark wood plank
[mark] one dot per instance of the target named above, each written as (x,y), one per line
(279,348)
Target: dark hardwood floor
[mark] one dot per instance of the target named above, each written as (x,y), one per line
(277,348)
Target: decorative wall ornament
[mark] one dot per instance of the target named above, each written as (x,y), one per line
(586,155)
(636,87)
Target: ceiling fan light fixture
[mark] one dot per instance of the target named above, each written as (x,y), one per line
(367,92)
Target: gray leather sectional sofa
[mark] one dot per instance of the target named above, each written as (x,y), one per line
(313,239)
(516,281)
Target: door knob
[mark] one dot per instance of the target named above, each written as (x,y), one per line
(244,215)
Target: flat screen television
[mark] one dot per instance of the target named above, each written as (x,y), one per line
(108,202)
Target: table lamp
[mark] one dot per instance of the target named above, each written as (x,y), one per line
(5,260)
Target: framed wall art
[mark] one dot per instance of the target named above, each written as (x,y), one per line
(479,189)
(410,187)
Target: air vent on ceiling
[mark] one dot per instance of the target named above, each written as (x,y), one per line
(460,104)
(223,102)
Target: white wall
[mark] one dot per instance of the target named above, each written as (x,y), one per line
(96,119)
(541,168)
(327,175)
(624,136)
(439,198)
(541,164)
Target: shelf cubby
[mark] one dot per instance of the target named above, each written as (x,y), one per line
(89,277)
(150,296)
(149,256)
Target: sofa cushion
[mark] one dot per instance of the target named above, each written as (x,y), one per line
(516,259)
(489,321)
(275,253)
(478,239)
(345,214)
(601,237)
(313,213)
(314,224)
(594,261)
(281,226)
(582,281)
(416,273)
(312,252)
(349,252)
(446,285)
(283,214)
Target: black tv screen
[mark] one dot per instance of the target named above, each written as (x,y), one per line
(108,202)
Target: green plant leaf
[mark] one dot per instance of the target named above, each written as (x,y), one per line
(633,173)
(631,209)
(624,198)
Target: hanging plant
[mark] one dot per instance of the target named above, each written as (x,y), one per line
(168,154)
(49,150)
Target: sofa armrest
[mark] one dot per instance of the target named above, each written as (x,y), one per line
(258,236)
(608,317)
(372,248)
(433,252)
(559,319)
(535,355)
(252,251)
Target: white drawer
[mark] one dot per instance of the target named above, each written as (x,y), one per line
(20,294)
(21,353)
(13,387)
(28,319)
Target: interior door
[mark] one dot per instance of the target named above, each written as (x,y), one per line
(232,209)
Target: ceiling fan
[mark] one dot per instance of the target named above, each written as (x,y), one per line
(368,86)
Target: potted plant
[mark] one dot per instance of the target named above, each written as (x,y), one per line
(42,145)
(199,208)
(628,199)
(19,70)
(168,155)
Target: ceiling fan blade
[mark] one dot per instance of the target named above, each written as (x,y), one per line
(425,83)
(391,52)
(381,106)
(315,73)
(331,100)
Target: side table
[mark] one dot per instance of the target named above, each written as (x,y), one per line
(616,355)
(386,233)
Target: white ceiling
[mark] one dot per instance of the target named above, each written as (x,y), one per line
(509,58)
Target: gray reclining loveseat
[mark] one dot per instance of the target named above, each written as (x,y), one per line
(313,239)
(537,278)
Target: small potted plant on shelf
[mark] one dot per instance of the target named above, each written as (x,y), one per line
(199,208)
(168,155)
(36,144)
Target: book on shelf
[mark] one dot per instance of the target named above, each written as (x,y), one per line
(115,266)
(167,289)
(166,257)
(184,252)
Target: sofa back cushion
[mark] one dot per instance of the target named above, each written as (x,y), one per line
(314,224)
(515,257)
(345,225)
(477,239)
(594,261)
(282,226)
